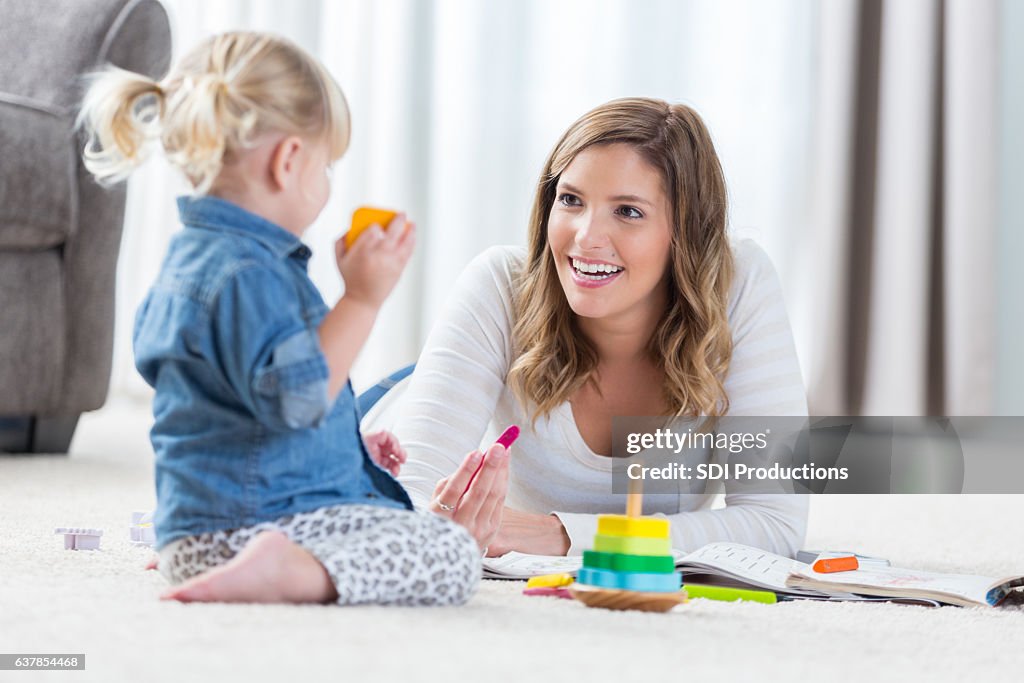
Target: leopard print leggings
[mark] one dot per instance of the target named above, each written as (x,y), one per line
(374,555)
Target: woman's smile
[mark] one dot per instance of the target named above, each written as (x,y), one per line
(591,273)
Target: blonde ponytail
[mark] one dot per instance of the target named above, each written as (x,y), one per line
(120,113)
(224,94)
(208,124)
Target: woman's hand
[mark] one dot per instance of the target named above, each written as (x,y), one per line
(385,450)
(526,532)
(474,495)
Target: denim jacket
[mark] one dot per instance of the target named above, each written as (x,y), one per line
(227,336)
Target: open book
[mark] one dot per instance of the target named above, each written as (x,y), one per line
(965,590)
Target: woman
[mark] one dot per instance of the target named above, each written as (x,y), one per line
(629,300)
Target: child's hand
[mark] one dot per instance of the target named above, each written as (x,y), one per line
(385,451)
(372,266)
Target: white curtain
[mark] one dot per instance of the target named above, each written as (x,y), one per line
(972,64)
(922,335)
(456,103)
(1010,247)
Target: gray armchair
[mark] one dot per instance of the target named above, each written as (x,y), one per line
(59,231)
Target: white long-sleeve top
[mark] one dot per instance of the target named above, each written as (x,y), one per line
(457,401)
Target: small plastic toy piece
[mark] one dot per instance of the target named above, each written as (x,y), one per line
(621,525)
(631,581)
(617,562)
(632,545)
(141,531)
(727,594)
(830,565)
(77,538)
(364,217)
(549,591)
(550,581)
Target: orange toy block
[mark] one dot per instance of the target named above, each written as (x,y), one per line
(363,218)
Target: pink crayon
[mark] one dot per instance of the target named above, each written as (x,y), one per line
(508,437)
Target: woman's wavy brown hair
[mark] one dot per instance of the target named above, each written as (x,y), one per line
(692,343)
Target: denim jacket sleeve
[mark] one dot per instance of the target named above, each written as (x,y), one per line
(268,351)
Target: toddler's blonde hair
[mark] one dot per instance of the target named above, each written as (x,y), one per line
(222,96)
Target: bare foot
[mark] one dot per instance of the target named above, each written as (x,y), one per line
(153,563)
(269,569)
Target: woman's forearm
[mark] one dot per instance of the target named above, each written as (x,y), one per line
(773,522)
(530,533)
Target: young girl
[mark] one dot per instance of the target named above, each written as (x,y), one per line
(266,492)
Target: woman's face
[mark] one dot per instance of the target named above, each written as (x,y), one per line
(609,232)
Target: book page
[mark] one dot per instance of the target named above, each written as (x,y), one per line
(515,565)
(910,581)
(750,565)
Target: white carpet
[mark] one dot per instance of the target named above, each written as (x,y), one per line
(104,605)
